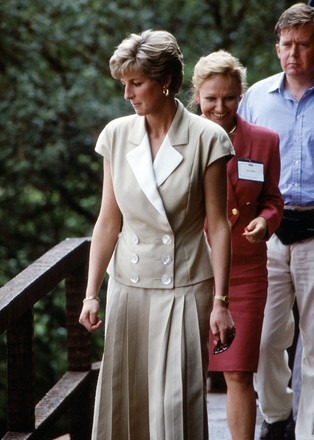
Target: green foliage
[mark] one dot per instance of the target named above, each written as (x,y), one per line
(56,94)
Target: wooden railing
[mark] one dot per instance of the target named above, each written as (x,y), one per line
(74,391)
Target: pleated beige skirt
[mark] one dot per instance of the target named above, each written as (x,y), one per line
(151,384)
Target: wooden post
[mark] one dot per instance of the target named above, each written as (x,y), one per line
(79,354)
(21,396)
(79,339)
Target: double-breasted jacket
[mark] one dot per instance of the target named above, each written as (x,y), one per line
(162,243)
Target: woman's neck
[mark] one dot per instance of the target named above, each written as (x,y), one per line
(158,125)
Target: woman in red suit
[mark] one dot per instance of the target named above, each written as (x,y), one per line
(255,210)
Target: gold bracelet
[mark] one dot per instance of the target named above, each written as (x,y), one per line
(89,298)
(224,299)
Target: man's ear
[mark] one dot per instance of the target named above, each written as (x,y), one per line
(278,50)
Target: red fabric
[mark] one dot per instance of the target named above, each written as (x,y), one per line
(248,284)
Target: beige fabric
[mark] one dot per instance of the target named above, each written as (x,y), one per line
(156,362)
(152,382)
(148,235)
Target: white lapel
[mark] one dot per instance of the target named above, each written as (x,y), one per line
(151,175)
(166,161)
(140,160)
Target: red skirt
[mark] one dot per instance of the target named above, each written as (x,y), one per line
(248,292)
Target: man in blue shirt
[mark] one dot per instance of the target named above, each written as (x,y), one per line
(285,103)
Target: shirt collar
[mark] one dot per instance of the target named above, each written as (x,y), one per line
(278,84)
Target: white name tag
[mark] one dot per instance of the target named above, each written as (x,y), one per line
(251,170)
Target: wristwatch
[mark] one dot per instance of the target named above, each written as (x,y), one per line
(224,299)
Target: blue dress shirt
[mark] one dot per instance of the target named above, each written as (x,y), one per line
(269,104)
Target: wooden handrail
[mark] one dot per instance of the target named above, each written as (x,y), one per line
(26,420)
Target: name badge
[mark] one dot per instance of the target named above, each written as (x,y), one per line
(250,170)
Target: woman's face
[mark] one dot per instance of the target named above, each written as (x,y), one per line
(144,93)
(219,97)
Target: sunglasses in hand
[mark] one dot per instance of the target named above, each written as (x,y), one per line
(220,348)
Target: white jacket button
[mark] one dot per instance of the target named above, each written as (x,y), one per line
(166,279)
(134,258)
(166,239)
(135,239)
(134,278)
(166,259)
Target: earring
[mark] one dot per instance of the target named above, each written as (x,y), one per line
(165,91)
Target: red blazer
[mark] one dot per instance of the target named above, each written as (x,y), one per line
(248,199)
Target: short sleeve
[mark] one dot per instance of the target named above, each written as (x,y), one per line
(104,143)
(221,147)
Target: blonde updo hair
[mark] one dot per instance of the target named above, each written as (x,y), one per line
(155,54)
(217,63)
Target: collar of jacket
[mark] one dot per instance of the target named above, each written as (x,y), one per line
(151,175)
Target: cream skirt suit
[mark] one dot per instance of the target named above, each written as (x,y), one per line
(151,384)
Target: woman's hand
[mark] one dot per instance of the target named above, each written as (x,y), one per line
(256,230)
(89,316)
(221,322)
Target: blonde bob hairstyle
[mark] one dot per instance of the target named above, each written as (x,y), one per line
(217,63)
(155,54)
